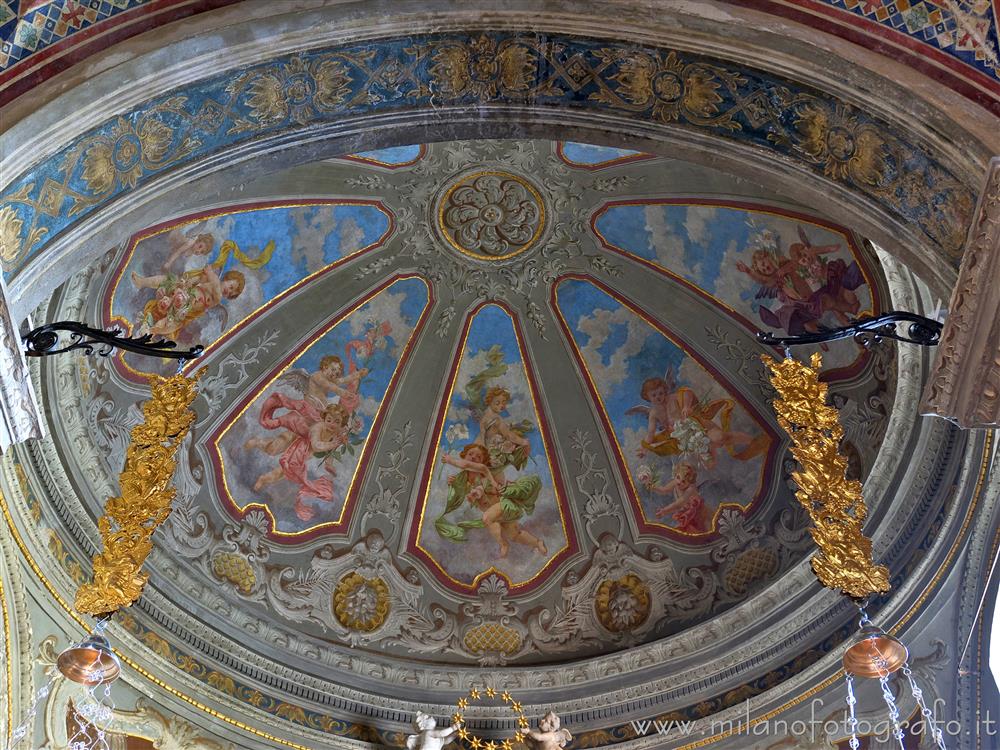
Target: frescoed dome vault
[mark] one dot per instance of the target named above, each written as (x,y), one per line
(484,405)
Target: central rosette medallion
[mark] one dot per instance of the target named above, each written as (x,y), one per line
(491,215)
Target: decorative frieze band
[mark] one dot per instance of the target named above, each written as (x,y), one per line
(965,381)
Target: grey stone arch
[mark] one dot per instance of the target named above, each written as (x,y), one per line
(950,135)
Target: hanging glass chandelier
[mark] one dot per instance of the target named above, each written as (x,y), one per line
(837,511)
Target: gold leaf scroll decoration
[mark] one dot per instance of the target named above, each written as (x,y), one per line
(130,519)
(833,501)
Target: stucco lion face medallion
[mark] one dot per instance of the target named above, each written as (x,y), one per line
(361,603)
(491,215)
(622,604)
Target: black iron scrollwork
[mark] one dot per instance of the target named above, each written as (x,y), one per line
(868,331)
(49,339)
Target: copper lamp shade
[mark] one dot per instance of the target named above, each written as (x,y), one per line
(91,662)
(874,653)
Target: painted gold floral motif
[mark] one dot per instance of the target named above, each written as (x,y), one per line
(834,502)
(846,148)
(622,604)
(675,90)
(953,203)
(11,226)
(491,215)
(298,90)
(121,157)
(361,603)
(841,142)
(483,68)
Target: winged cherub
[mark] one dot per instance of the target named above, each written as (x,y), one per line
(678,423)
(428,736)
(549,736)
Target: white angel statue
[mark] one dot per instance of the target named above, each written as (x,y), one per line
(428,736)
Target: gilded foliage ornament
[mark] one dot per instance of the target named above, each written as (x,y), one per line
(834,502)
(847,148)
(144,503)
(483,68)
(649,85)
(675,90)
(11,227)
(298,90)
(121,157)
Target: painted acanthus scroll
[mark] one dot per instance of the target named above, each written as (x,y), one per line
(144,503)
(833,501)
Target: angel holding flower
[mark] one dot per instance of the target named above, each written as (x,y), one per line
(679,424)
(689,509)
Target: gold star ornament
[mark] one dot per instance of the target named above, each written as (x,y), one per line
(474,742)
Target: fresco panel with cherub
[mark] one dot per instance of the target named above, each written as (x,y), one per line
(492,498)
(294,446)
(770,270)
(688,443)
(196,279)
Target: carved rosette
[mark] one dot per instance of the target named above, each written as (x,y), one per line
(491,215)
(622,604)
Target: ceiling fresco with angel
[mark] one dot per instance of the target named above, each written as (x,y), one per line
(773,270)
(193,280)
(483,402)
(295,448)
(494,501)
(688,442)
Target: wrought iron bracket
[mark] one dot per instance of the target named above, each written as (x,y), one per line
(868,331)
(49,339)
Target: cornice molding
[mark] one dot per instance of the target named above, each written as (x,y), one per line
(933,130)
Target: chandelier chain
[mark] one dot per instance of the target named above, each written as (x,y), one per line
(925,710)
(890,702)
(852,719)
